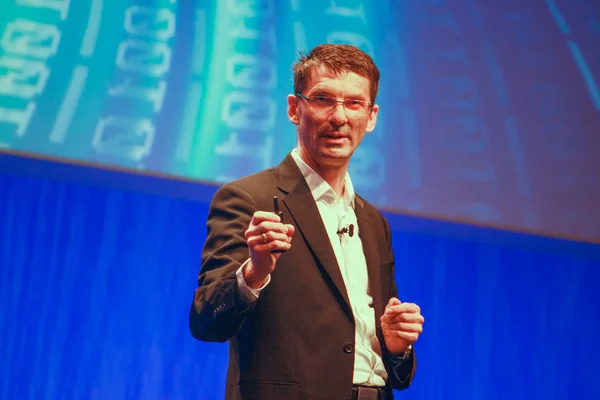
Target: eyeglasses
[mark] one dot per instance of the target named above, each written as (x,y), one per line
(324,103)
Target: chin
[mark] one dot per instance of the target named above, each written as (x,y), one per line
(337,154)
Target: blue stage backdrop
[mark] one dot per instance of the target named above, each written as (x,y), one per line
(490,110)
(96,284)
(490,116)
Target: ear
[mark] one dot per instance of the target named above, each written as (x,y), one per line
(293,109)
(372,118)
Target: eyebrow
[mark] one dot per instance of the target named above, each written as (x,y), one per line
(322,90)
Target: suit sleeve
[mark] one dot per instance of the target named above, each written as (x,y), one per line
(218,309)
(400,372)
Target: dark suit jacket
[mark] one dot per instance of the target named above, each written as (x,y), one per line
(297,340)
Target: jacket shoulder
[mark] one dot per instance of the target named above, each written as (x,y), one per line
(370,208)
(253,184)
(373,212)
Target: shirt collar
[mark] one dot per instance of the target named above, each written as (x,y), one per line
(319,188)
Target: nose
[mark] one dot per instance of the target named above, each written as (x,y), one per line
(338,115)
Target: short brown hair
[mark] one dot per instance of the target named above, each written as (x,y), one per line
(340,58)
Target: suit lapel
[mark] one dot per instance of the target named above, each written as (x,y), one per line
(369,238)
(301,205)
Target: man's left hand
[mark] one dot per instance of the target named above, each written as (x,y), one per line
(402,323)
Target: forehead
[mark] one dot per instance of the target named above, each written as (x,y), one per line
(344,83)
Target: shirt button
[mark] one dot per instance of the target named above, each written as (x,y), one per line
(349,348)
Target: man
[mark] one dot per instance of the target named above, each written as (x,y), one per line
(308,304)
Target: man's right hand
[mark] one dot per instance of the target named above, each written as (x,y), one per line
(265,234)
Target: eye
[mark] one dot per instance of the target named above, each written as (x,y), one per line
(354,104)
(323,101)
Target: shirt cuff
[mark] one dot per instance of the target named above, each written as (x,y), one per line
(248,294)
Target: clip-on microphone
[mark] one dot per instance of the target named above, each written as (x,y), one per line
(349,229)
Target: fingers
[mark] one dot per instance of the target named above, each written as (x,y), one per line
(265,227)
(261,216)
(402,308)
(267,220)
(267,234)
(403,317)
(271,246)
(402,321)
(267,237)
(404,327)
(409,337)
(407,331)
(404,312)
(257,229)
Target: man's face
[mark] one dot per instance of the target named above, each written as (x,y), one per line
(327,137)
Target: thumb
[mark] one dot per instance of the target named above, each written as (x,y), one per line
(394,302)
(290,229)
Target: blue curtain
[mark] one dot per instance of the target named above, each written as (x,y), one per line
(96,285)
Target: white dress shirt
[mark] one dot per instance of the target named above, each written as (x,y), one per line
(337,213)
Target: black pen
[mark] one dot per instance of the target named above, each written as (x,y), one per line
(276,208)
(280,213)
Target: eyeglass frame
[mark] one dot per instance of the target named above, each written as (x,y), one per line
(335,102)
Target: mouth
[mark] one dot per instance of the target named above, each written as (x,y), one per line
(336,138)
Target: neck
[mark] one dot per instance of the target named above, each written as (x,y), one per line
(334,175)
(335,178)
